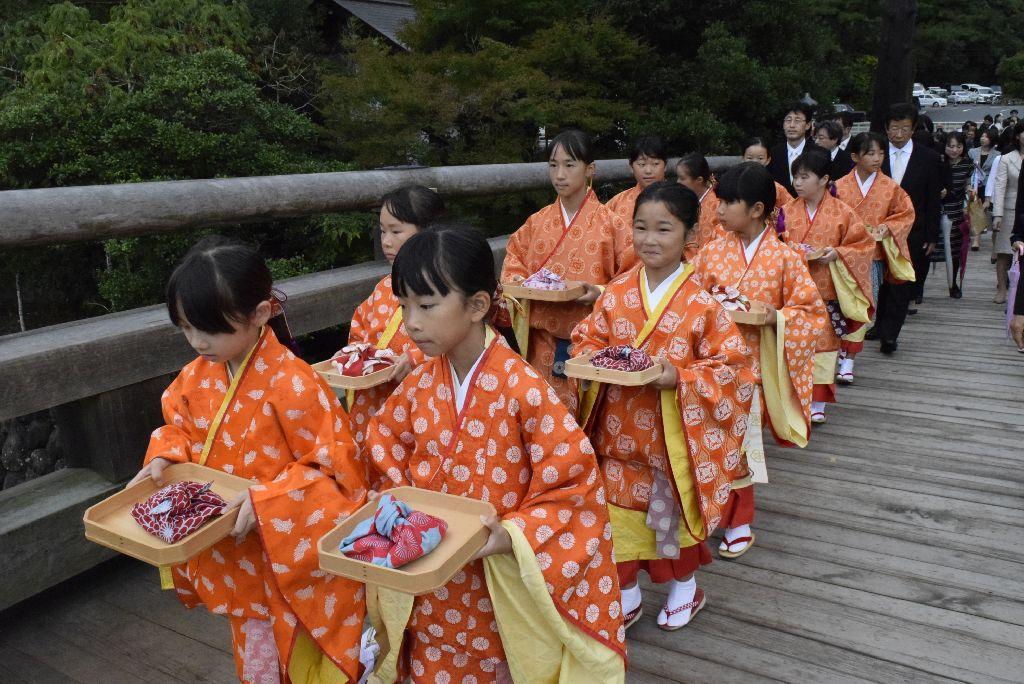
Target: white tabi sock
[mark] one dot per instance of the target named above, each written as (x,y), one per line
(631,598)
(817,407)
(846,366)
(681,593)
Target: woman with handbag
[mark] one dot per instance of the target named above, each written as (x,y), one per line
(984,157)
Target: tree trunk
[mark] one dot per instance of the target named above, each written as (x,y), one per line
(894,76)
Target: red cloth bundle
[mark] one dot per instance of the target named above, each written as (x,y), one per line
(178,510)
(622,358)
(394,535)
(357,360)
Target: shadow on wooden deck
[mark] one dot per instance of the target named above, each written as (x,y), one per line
(891,549)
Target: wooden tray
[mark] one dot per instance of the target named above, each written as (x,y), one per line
(573,291)
(109,523)
(757,315)
(337,381)
(466,535)
(581,369)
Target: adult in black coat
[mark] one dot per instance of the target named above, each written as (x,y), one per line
(918,170)
(796,126)
(828,135)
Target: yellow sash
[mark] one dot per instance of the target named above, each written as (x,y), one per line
(166,580)
(852,301)
(394,323)
(902,269)
(780,398)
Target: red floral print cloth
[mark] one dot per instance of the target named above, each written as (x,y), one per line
(178,510)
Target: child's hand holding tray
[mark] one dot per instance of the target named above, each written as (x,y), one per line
(756,314)
(465,535)
(109,523)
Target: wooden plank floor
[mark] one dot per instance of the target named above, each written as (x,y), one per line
(890,550)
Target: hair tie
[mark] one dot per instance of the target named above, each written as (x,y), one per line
(499,315)
(283,332)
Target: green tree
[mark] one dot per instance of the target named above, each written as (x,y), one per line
(1011,75)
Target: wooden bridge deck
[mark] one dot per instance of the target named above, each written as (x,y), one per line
(892,549)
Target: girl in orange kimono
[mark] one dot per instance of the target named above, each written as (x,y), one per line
(827,229)
(668,450)
(694,172)
(475,420)
(750,259)
(648,161)
(756,150)
(378,320)
(885,207)
(577,238)
(250,407)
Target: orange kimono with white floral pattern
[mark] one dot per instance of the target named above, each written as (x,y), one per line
(886,202)
(628,425)
(369,324)
(778,276)
(623,204)
(516,446)
(834,225)
(708,227)
(782,196)
(594,248)
(284,430)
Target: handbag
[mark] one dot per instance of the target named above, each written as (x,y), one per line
(979,217)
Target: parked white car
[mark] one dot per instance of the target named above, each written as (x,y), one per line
(937,91)
(918,90)
(962,97)
(984,95)
(929,100)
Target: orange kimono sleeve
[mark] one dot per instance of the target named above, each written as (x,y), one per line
(900,220)
(564,517)
(857,250)
(173,440)
(358,329)
(591,334)
(622,244)
(806,317)
(713,397)
(311,495)
(516,253)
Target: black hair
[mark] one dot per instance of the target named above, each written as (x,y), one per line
(959,137)
(832,128)
(414,204)
(748,182)
(1018,130)
(845,118)
(680,201)
(800,108)
(576,144)
(993,138)
(861,143)
(969,124)
(900,111)
(444,258)
(696,165)
(648,146)
(924,121)
(815,160)
(757,141)
(220,282)
(988,117)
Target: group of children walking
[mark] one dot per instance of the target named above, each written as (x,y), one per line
(592,483)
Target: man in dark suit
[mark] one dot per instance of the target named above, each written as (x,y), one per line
(828,135)
(918,170)
(795,125)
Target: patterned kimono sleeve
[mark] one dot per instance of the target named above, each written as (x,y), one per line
(591,334)
(173,441)
(313,492)
(715,389)
(806,318)
(900,219)
(516,253)
(564,517)
(358,330)
(857,250)
(390,443)
(623,251)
